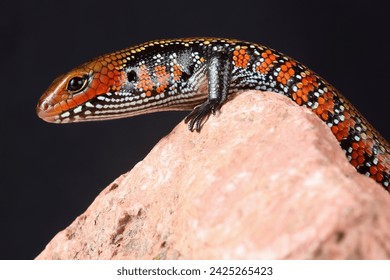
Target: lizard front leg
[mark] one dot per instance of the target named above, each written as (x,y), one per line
(219,69)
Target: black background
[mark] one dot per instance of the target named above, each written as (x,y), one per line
(51,173)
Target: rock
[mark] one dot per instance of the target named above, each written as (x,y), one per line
(265,179)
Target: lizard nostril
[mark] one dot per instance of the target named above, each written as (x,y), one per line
(44,106)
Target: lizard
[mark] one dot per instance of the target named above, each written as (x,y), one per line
(198,74)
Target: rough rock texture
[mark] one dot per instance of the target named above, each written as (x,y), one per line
(264,179)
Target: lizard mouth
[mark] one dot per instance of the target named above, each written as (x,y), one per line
(47,112)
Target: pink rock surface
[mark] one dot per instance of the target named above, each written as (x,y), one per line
(265,179)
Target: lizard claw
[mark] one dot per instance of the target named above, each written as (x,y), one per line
(199,115)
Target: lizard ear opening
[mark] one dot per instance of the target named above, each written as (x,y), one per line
(132,76)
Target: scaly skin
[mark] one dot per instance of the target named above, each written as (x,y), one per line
(197,74)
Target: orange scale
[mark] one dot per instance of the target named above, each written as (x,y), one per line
(57,108)
(379,177)
(64,96)
(64,106)
(82,98)
(159,89)
(305,98)
(95,83)
(110,74)
(102,88)
(111,82)
(341,127)
(334,129)
(326,106)
(104,79)
(360,160)
(373,170)
(319,110)
(354,163)
(90,93)
(294,96)
(118,84)
(71,103)
(330,107)
(351,112)
(368,151)
(97,67)
(299,101)
(324,116)
(355,145)
(177,72)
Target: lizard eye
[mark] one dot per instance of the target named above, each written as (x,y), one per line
(77,84)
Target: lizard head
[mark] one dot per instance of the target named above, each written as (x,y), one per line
(83,93)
